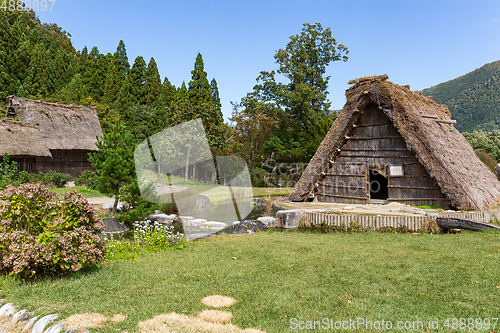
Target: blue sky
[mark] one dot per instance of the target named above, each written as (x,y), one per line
(420,43)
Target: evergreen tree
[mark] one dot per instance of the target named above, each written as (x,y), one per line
(167,93)
(74,91)
(114,81)
(114,162)
(199,89)
(126,98)
(138,77)
(5,79)
(215,94)
(152,85)
(121,58)
(182,93)
(37,81)
(94,75)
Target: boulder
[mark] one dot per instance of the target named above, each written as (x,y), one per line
(289,218)
(113,225)
(496,171)
(109,205)
(248,227)
(269,221)
(161,218)
(259,203)
(212,225)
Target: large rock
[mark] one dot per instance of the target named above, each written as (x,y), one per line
(269,221)
(248,227)
(109,205)
(259,203)
(496,171)
(289,218)
(113,225)
(161,218)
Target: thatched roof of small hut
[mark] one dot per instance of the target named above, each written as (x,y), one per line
(428,131)
(63,127)
(21,140)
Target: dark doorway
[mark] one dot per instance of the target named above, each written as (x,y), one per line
(378,186)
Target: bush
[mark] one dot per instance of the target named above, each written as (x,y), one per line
(87,178)
(41,234)
(8,171)
(54,178)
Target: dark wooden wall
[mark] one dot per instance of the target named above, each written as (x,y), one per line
(74,162)
(25,163)
(375,143)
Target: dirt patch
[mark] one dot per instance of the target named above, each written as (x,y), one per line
(178,323)
(85,320)
(118,318)
(216,316)
(218,301)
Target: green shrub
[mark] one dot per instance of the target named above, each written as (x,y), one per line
(8,171)
(53,178)
(87,178)
(42,234)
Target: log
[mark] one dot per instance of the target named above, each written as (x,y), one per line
(454,223)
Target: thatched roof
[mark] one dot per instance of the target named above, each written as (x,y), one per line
(21,140)
(63,127)
(440,148)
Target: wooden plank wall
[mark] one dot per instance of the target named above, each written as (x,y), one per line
(73,162)
(375,142)
(411,222)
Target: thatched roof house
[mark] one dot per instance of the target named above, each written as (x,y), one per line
(51,136)
(394,144)
(21,139)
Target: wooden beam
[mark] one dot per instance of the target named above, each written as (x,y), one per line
(446,121)
(417,199)
(343,174)
(429,116)
(341,196)
(343,186)
(454,223)
(377,156)
(375,138)
(414,187)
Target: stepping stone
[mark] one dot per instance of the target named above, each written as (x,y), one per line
(56,328)
(30,324)
(7,310)
(16,316)
(40,324)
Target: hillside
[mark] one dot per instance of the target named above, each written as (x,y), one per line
(473,99)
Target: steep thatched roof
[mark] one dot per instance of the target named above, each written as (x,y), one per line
(64,127)
(440,148)
(21,140)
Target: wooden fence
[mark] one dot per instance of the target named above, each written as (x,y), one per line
(375,222)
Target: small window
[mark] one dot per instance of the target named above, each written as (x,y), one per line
(396,171)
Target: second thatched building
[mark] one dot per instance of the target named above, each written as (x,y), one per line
(393,144)
(42,136)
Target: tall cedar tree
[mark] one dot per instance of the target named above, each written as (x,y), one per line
(37,81)
(167,93)
(114,81)
(137,78)
(199,89)
(152,84)
(182,93)
(121,58)
(94,74)
(126,98)
(114,162)
(215,94)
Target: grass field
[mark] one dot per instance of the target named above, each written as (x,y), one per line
(276,277)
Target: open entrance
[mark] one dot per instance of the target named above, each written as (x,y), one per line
(378,186)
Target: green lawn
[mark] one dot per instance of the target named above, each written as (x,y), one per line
(86,192)
(275,277)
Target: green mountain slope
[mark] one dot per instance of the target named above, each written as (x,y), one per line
(473,99)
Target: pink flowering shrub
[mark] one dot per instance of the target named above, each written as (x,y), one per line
(41,234)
